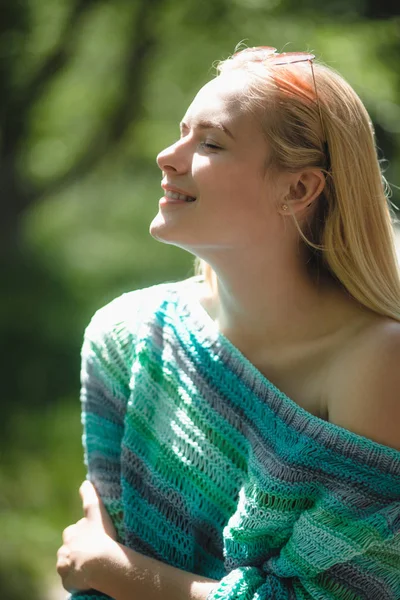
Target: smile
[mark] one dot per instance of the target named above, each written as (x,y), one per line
(177,196)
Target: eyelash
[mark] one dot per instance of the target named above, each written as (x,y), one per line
(206,145)
(210,146)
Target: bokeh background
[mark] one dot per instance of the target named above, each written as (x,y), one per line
(90,91)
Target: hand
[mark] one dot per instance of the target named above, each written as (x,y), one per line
(86,543)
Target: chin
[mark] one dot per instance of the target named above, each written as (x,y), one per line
(166,235)
(187,236)
(160,230)
(165,232)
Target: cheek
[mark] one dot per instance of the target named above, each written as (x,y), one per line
(225,179)
(245,191)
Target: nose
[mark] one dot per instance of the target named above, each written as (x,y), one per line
(174,159)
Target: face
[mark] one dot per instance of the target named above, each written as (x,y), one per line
(217,194)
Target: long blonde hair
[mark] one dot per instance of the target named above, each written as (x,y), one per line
(351,234)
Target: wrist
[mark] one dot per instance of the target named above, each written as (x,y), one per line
(98,566)
(112,570)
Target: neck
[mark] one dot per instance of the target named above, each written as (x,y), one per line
(275,300)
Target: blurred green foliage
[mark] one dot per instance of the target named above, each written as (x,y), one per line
(90,91)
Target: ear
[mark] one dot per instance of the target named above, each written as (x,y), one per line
(304,189)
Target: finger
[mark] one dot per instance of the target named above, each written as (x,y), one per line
(63,563)
(87,491)
(63,555)
(90,501)
(65,569)
(94,508)
(68,533)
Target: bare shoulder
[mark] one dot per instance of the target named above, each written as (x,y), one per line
(364,395)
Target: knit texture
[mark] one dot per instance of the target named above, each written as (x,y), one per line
(203,464)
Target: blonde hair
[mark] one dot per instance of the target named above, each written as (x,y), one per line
(351,233)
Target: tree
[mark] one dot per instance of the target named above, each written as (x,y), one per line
(19,98)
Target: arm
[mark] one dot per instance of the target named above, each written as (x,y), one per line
(91,558)
(309,567)
(105,374)
(126,575)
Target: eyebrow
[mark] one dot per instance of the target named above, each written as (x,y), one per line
(210,125)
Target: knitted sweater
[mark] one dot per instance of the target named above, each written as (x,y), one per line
(204,464)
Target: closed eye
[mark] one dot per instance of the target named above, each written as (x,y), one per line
(206,145)
(210,146)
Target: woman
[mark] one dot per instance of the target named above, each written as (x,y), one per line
(241,427)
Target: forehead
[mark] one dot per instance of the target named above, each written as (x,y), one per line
(222,98)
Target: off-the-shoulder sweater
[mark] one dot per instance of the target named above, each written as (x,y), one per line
(205,465)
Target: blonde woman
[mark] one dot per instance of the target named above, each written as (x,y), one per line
(242,427)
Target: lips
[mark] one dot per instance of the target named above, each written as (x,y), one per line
(176,194)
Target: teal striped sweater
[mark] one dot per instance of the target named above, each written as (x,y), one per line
(203,464)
